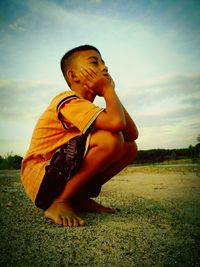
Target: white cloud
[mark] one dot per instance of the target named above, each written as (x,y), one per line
(166,111)
(24,100)
(174,90)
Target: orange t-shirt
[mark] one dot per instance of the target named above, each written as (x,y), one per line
(67,116)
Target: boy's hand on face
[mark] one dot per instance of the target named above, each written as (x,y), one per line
(96,80)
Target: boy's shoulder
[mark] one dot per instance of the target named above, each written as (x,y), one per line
(62,96)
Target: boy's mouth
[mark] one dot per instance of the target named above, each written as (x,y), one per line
(107,75)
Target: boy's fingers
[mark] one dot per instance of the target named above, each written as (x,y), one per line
(83,76)
(86,76)
(85,87)
(93,71)
(88,73)
(85,81)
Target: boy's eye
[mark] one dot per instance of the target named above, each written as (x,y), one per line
(94,63)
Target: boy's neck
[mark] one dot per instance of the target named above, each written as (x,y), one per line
(83,93)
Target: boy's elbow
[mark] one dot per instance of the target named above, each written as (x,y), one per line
(117,125)
(131,135)
(136,134)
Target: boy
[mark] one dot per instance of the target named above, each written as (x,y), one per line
(77,147)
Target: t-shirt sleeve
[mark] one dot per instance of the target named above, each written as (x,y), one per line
(79,113)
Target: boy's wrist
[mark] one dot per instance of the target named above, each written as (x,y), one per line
(108,90)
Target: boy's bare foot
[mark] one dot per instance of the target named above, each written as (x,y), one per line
(89,205)
(63,214)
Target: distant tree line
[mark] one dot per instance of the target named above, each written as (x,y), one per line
(144,156)
(10,162)
(161,155)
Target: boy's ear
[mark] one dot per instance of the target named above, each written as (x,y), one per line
(72,76)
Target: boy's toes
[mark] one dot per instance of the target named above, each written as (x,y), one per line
(75,222)
(63,214)
(58,220)
(70,222)
(65,221)
(81,221)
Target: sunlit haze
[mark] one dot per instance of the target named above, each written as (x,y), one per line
(152,49)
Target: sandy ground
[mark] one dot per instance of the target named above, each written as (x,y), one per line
(157,224)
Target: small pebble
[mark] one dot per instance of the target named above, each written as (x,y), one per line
(9,204)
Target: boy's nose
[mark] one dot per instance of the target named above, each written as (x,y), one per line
(104,68)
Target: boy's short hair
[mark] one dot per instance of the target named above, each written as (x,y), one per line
(66,60)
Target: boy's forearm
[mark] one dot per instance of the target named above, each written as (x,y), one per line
(130,132)
(113,117)
(113,103)
(113,106)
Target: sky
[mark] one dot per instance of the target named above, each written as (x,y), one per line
(150,47)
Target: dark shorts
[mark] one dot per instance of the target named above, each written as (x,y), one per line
(63,165)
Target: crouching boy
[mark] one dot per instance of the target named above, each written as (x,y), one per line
(76,146)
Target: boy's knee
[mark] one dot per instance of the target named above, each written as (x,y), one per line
(131,151)
(110,142)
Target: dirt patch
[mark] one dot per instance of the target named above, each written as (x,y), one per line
(157,224)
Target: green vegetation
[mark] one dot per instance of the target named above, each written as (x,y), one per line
(192,154)
(10,162)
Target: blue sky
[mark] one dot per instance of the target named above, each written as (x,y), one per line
(151,49)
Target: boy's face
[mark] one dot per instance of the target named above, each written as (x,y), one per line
(89,58)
